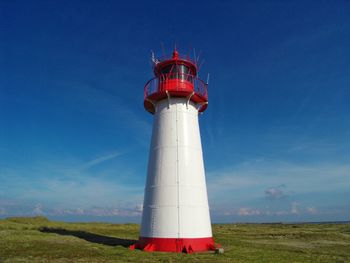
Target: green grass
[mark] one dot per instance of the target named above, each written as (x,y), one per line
(40,240)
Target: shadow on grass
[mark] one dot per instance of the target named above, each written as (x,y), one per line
(105,240)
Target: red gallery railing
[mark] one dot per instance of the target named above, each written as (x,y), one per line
(176,84)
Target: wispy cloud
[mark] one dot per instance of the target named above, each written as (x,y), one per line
(245,211)
(108,104)
(256,175)
(277,192)
(312,210)
(125,210)
(97,211)
(38,210)
(292,208)
(68,185)
(100,159)
(245,189)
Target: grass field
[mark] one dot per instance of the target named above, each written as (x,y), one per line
(40,240)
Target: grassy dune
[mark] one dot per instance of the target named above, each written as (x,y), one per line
(40,240)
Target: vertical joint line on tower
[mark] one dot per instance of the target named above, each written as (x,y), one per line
(177,173)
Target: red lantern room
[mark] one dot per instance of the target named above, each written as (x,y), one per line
(175,77)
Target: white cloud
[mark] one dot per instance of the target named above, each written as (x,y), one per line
(244,211)
(312,210)
(97,211)
(277,192)
(38,210)
(130,209)
(294,208)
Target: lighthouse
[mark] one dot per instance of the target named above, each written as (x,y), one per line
(175,215)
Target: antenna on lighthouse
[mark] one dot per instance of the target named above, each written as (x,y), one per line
(194,55)
(153,57)
(200,53)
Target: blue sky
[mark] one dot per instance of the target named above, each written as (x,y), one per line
(74,135)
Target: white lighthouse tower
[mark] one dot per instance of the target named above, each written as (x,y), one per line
(175,212)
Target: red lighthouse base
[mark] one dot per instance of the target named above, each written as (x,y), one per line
(179,245)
